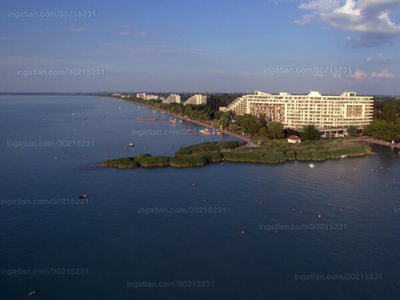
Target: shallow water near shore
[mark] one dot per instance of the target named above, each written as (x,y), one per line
(134,227)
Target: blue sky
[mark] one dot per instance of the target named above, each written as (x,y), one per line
(203,46)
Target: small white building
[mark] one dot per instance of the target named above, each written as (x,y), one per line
(294,139)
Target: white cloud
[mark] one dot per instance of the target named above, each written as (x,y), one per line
(381,59)
(304,20)
(368,19)
(125,33)
(384,74)
(359,75)
(336,75)
(142,33)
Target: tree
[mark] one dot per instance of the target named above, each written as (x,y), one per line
(389,112)
(223,121)
(263,132)
(352,130)
(249,124)
(275,130)
(310,132)
(263,120)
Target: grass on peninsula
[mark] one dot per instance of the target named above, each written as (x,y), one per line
(278,151)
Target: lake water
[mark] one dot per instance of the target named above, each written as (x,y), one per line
(223,246)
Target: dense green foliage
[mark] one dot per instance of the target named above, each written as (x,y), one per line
(143,160)
(310,133)
(207,147)
(188,161)
(312,150)
(276,152)
(381,129)
(386,124)
(275,130)
(125,162)
(352,130)
(157,161)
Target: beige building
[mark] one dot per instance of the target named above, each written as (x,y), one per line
(144,96)
(141,95)
(173,98)
(196,100)
(296,111)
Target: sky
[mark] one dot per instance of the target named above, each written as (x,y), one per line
(274,46)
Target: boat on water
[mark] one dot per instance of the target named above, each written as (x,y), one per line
(343,156)
(131,145)
(180,121)
(312,166)
(172,121)
(206,131)
(154,111)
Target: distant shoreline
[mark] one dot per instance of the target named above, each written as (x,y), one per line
(248,142)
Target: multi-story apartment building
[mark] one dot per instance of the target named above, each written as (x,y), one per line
(296,111)
(144,96)
(141,95)
(196,100)
(173,98)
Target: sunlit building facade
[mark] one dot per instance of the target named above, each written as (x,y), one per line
(296,111)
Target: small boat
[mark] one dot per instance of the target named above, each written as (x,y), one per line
(154,111)
(131,145)
(180,121)
(83,196)
(31,294)
(172,121)
(312,166)
(343,156)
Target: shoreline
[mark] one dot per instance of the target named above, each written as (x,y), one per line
(376,142)
(248,142)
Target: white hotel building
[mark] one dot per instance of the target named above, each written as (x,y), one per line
(296,111)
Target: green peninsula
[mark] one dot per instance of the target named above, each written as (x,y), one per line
(234,151)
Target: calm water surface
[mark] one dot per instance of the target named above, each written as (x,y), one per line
(233,249)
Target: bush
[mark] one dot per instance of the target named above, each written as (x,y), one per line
(188,161)
(207,147)
(156,161)
(125,162)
